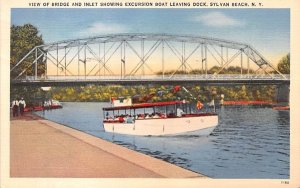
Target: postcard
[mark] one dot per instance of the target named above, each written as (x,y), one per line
(149,93)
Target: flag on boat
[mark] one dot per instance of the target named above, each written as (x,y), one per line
(176,89)
(112,99)
(199,105)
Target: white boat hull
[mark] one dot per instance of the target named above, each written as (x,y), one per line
(168,126)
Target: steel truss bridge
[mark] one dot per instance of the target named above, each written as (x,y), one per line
(144,58)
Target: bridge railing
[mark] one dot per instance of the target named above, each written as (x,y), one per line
(159,77)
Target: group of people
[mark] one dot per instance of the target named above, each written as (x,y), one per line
(131,119)
(149,116)
(18,107)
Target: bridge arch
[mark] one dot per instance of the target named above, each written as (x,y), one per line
(138,55)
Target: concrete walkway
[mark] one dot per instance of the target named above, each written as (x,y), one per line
(41,148)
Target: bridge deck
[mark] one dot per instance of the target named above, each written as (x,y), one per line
(155,79)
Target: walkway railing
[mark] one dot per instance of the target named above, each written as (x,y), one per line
(221,77)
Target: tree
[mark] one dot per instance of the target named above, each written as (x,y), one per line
(23,40)
(284,65)
(243,93)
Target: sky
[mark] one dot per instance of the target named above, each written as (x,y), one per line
(267,30)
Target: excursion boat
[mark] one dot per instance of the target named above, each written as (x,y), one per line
(167,118)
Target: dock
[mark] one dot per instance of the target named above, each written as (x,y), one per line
(42,148)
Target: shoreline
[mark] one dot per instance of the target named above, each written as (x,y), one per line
(60,151)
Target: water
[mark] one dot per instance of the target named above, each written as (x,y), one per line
(248,142)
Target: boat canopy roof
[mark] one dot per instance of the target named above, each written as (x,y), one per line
(143,105)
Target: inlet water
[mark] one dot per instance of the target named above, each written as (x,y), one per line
(249,142)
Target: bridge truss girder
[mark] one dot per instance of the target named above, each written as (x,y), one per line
(56,53)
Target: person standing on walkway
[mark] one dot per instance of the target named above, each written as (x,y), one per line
(15,108)
(22,105)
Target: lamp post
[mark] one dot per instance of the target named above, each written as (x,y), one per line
(45,90)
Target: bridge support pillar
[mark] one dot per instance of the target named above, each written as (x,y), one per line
(282,94)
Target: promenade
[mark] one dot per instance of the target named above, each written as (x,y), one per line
(41,148)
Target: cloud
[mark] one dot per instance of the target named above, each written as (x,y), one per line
(99,28)
(218,19)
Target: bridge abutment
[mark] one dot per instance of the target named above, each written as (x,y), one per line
(282,94)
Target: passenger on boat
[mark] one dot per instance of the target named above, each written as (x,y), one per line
(121,119)
(129,119)
(156,115)
(179,112)
(107,117)
(162,115)
(141,116)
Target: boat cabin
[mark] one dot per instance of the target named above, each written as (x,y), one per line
(155,110)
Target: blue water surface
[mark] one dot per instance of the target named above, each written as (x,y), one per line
(249,142)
